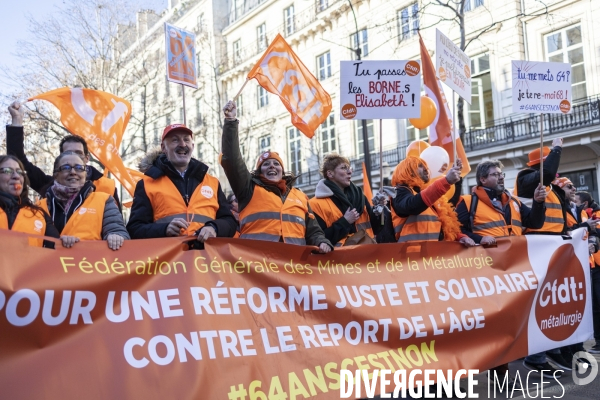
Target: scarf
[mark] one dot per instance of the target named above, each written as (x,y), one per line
(352,196)
(281,185)
(64,194)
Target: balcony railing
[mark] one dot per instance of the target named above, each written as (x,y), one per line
(508,130)
(300,20)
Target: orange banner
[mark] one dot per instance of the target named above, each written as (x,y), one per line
(244,319)
(440,131)
(281,72)
(100,118)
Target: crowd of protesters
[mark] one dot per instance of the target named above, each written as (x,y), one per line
(177,196)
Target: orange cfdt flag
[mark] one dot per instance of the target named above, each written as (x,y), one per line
(281,72)
(366,185)
(440,131)
(100,118)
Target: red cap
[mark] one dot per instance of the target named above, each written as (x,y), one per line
(176,128)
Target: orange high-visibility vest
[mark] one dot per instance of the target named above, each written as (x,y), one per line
(555,220)
(488,221)
(168,204)
(330,213)
(266,217)
(423,227)
(27,221)
(105,185)
(85,222)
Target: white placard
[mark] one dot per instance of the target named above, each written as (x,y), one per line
(380,89)
(541,87)
(453,66)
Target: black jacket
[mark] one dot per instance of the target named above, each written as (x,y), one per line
(38,180)
(11,206)
(141,223)
(529,178)
(533,217)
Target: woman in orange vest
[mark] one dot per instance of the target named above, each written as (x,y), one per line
(341,207)
(270,207)
(17,212)
(77,210)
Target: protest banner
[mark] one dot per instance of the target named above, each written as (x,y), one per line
(541,87)
(453,66)
(389,89)
(180,56)
(281,72)
(246,319)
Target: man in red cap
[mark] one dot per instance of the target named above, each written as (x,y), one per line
(177,196)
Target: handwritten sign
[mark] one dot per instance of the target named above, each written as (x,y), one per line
(453,66)
(380,89)
(541,87)
(180,56)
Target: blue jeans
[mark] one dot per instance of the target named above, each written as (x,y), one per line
(537,358)
(595,277)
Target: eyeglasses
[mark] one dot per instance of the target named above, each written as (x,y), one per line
(498,174)
(67,168)
(10,171)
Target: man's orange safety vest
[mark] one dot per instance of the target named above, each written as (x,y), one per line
(489,221)
(168,204)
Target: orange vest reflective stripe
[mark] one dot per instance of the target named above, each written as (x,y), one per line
(85,222)
(27,221)
(423,227)
(555,221)
(266,217)
(330,213)
(488,221)
(105,185)
(168,204)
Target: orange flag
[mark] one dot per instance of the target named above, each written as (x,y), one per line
(281,72)
(440,131)
(366,185)
(100,118)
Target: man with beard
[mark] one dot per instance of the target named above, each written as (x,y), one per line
(492,212)
(177,196)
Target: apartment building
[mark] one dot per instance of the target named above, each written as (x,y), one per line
(325,32)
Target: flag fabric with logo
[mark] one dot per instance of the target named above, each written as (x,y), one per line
(100,118)
(440,131)
(281,72)
(366,185)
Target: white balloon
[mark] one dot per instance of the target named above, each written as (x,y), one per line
(437,160)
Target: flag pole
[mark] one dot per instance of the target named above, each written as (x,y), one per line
(454,126)
(183,98)
(240,91)
(542,149)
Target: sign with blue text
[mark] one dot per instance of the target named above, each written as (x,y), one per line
(541,87)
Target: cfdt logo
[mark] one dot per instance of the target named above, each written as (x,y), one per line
(586,370)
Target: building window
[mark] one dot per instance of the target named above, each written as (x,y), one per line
(168,120)
(359,41)
(263,99)
(328,140)
(167,87)
(566,46)
(200,150)
(481,110)
(324,66)
(198,112)
(181,117)
(322,4)
(155,134)
(294,150)
(240,105)
(237,51)
(155,91)
(359,137)
(472,4)
(288,17)
(408,21)
(198,65)
(261,37)
(264,144)
(413,133)
(200,22)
